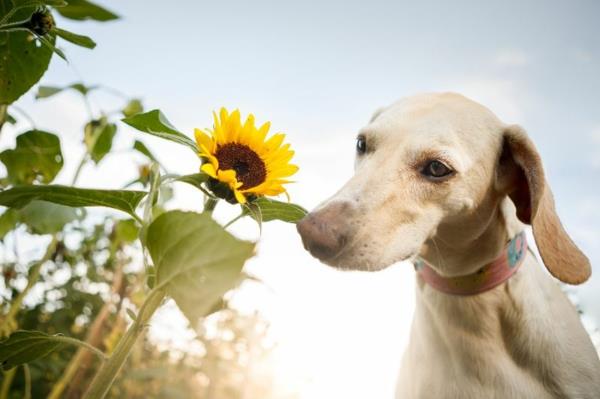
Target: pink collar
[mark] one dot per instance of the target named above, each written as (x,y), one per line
(486,278)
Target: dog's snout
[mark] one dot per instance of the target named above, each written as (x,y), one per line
(325,232)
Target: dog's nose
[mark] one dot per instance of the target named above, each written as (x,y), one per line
(325,232)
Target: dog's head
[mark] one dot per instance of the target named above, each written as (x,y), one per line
(431,174)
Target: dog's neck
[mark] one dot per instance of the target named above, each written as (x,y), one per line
(459,252)
(472,313)
(486,278)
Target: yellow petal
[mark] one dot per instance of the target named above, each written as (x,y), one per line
(209,170)
(223,114)
(234,126)
(208,156)
(228,176)
(283,171)
(263,130)
(203,139)
(218,130)
(247,134)
(239,196)
(249,124)
(274,142)
(281,156)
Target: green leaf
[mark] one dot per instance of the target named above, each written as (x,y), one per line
(133,107)
(276,210)
(48,91)
(123,200)
(8,221)
(32,3)
(156,124)
(36,157)
(196,179)
(51,46)
(126,230)
(74,38)
(98,138)
(47,218)
(83,89)
(196,260)
(221,304)
(82,9)
(24,347)
(141,147)
(23,61)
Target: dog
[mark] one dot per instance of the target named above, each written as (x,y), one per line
(441,181)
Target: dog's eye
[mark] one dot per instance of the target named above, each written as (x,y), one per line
(361,145)
(436,170)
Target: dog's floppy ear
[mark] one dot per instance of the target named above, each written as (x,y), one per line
(522,177)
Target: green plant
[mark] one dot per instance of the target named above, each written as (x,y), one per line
(186,256)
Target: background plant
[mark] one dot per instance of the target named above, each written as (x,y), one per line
(101,278)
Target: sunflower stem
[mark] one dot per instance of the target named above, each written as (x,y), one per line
(155,181)
(105,377)
(210,204)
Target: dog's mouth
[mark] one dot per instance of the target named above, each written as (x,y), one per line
(323,252)
(351,258)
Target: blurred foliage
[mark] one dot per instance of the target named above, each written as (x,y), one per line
(101,276)
(67,294)
(232,343)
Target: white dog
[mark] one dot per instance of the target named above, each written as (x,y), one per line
(441,181)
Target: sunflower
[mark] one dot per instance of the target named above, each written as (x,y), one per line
(241,157)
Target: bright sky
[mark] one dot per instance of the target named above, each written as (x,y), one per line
(318,70)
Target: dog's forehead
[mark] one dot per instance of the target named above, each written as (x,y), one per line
(440,116)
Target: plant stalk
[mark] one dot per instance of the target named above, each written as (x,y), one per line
(82,163)
(26,116)
(72,368)
(210,204)
(105,377)
(153,193)
(7,382)
(27,377)
(80,362)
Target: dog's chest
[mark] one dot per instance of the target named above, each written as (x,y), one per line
(493,348)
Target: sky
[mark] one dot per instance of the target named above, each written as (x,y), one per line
(317,71)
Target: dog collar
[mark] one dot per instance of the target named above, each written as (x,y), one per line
(486,278)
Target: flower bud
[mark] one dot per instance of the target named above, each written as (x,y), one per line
(41,22)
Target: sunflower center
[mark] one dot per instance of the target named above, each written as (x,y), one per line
(249,167)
